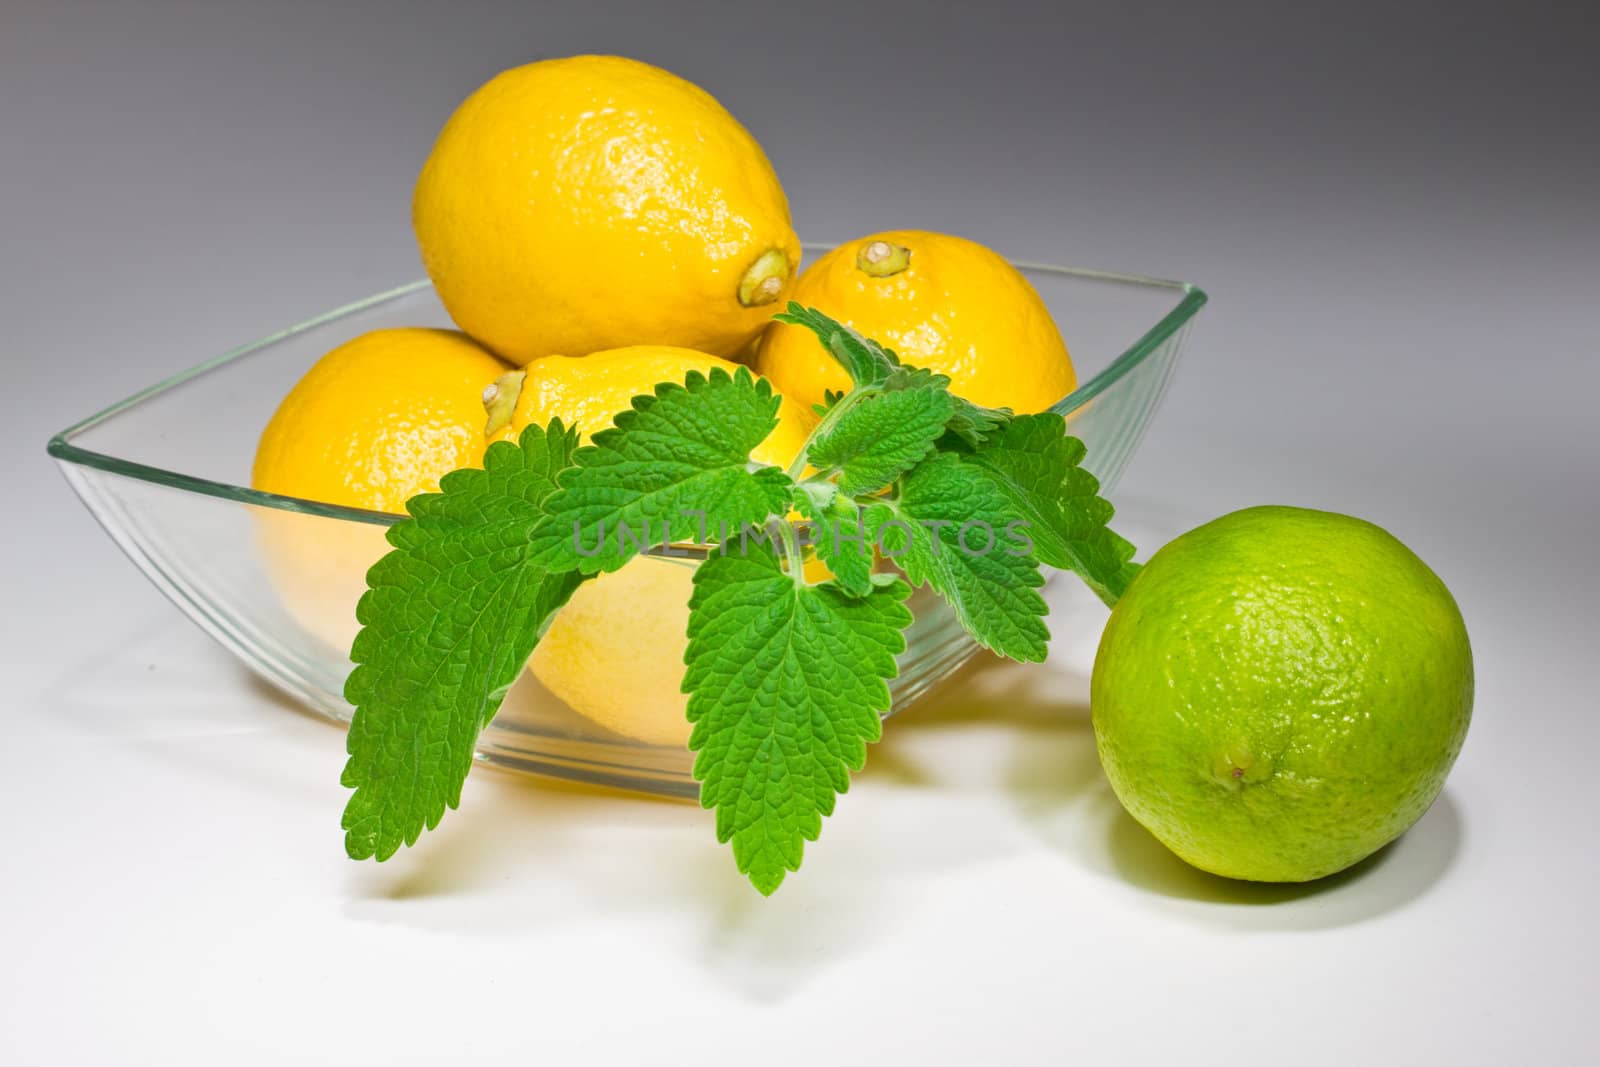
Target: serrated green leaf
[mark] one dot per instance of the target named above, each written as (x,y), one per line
(1037,465)
(969,423)
(787,685)
(880,436)
(952,528)
(865,360)
(451,616)
(830,397)
(839,537)
(871,365)
(678,459)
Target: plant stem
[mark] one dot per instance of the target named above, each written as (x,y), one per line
(829,421)
(793,558)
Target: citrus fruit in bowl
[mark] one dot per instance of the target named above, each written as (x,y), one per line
(590,227)
(615,652)
(168,473)
(588,203)
(943,303)
(374,422)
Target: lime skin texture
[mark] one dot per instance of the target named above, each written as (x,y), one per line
(1281,692)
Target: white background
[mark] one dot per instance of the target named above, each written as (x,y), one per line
(1395,218)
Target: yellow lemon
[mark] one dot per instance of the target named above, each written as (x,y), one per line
(581,204)
(373,423)
(615,651)
(943,303)
(614,654)
(588,391)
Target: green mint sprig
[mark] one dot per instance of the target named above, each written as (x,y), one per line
(448,622)
(787,684)
(1035,465)
(951,528)
(678,460)
(874,439)
(902,483)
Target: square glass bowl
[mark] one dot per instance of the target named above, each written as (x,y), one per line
(166,472)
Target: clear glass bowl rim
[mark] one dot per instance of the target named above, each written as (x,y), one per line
(61,446)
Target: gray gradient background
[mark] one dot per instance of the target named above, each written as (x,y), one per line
(1393,209)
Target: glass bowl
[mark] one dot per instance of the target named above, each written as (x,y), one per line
(166,472)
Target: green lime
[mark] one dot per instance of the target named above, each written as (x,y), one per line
(1281,692)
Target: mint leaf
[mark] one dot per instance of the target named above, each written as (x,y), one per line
(830,397)
(953,528)
(787,685)
(1037,466)
(969,423)
(867,362)
(680,460)
(838,535)
(880,436)
(786,679)
(451,616)
(871,365)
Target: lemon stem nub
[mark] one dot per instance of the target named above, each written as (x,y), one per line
(500,400)
(763,282)
(881,259)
